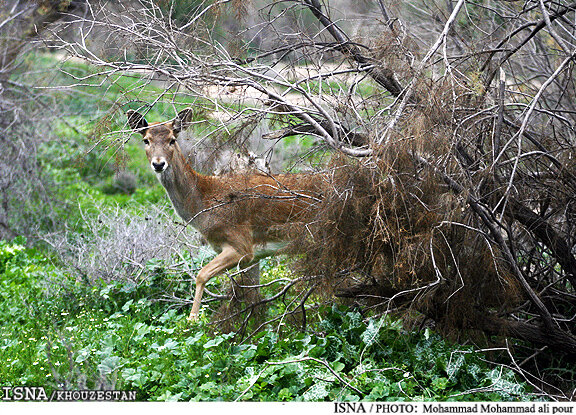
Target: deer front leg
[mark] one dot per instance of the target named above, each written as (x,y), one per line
(226,259)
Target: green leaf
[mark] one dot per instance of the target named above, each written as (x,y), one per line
(249,353)
(109,364)
(379,391)
(317,392)
(136,376)
(370,335)
(454,365)
(217,341)
(440,383)
(317,351)
(83,354)
(142,330)
(193,340)
(168,396)
(338,366)
(284,394)
(169,315)
(169,345)
(127,305)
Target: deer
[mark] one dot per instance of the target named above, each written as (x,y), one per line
(240,215)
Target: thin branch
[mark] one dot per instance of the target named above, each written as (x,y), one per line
(325,364)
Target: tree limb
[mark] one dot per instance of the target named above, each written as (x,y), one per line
(383,76)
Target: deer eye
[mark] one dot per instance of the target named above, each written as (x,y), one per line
(146,142)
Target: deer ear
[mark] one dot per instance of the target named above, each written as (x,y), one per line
(182,120)
(137,121)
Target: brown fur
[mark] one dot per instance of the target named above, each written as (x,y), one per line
(235,213)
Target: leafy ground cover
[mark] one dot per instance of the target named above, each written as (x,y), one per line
(60,333)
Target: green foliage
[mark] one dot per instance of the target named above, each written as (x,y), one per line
(56,331)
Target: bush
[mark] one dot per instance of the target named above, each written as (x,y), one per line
(115,243)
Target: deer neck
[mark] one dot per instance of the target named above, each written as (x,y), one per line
(182,185)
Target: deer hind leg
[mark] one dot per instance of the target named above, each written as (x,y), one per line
(228,258)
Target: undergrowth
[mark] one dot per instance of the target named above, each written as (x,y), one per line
(62,333)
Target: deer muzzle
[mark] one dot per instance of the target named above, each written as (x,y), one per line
(159,164)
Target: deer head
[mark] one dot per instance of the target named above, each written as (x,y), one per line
(160,139)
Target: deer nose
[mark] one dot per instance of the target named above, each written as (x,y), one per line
(159,167)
